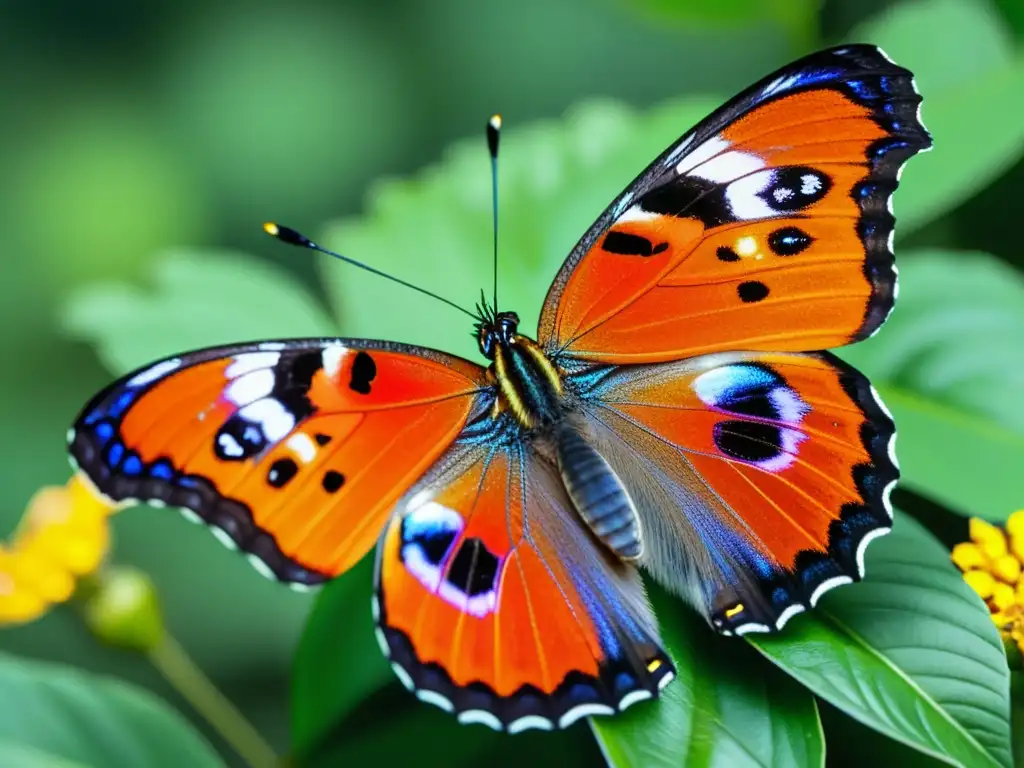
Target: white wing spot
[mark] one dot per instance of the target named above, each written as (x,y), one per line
(303,447)
(583,710)
(631,698)
(480,716)
(154,372)
(332,357)
(250,387)
(530,721)
(251,361)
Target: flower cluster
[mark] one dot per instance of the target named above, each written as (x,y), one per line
(992,564)
(64,535)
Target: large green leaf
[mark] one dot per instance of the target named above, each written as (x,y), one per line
(70,718)
(973,100)
(950,365)
(14,754)
(726,708)
(416,733)
(338,663)
(198,299)
(910,652)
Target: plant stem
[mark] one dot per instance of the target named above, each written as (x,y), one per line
(188,679)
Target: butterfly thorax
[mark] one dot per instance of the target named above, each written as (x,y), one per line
(529,384)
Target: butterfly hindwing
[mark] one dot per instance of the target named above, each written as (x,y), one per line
(293,452)
(494,603)
(766,227)
(759,477)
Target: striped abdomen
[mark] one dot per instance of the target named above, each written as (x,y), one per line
(598,494)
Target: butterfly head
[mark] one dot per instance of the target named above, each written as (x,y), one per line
(494,330)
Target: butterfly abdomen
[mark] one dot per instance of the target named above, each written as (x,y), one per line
(597,493)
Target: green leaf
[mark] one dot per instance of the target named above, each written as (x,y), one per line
(338,663)
(71,718)
(798,17)
(395,728)
(435,229)
(973,101)
(19,755)
(949,364)
(911,652)
(198,299)
(726,708)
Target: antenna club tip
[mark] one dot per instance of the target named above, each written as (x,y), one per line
(495,122)
(288,235)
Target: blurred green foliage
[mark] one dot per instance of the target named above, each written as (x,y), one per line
(143,145)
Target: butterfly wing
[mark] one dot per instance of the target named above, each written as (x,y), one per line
(760,478)
(766,227)
(294,452)
(494,602)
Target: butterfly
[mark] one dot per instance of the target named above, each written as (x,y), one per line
(674,414)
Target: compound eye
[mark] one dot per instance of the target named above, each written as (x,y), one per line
(486,345)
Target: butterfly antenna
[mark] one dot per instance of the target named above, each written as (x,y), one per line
(493,134)
(293,237)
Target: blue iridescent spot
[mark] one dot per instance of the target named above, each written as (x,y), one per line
(104,431)
(119,406)
(188,482)
(886,83)
(132,464)
(780,597)
(812,76)
(863,90)
(162,469)
(624,683)
(580,693)
(895,144)
(817,573)
(114,454)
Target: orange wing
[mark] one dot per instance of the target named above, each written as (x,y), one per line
(294,452)
(760,477)
(494,602)
(766,227)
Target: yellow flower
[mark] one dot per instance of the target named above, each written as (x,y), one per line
(64,535)
(993,566)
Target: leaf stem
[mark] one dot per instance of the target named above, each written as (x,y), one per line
(171,660)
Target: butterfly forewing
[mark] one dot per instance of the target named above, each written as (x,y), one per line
(766,227)
(294,452)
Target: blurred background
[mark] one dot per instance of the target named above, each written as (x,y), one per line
(135,129)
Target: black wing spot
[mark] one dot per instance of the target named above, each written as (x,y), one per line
(795,188)
(752,291)
(627,244)
(751,441)
(431,538)
(364,370)
(333,480)
(789,241)
(474,568)
(239,440)
(725,253)
(281,472)
(321,438)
